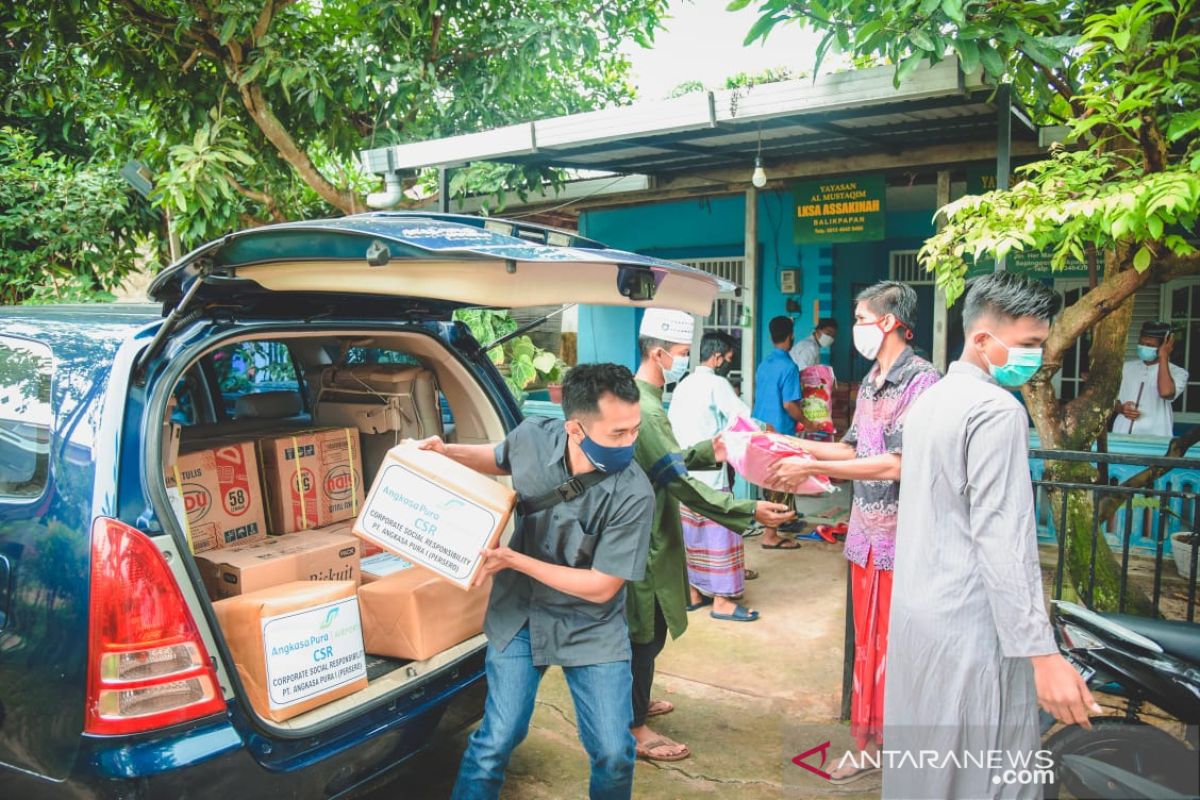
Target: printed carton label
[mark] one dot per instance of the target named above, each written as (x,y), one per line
(312,651)
(431,525)
(232,479)
(385,564)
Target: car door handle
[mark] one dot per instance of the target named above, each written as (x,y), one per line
(5,589)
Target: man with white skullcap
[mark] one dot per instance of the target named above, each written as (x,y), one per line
(657,604)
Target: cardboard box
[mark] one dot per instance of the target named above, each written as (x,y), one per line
(305,556)
(382,565)
(221,494)
(433,511)
(313,478)
(296,646)
(414,614)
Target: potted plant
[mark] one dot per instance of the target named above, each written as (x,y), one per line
(519,360)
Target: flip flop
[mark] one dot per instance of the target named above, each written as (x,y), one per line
(858,774)
(646,750)
(740,614)
(751,574)
(704,601)
(826,533)
(782,545)
(663,707)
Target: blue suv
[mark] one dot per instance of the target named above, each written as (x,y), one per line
(115,679)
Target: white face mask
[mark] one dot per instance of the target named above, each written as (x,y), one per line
(868,338)
(824,339)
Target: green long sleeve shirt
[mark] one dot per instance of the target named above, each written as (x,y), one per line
(659,455)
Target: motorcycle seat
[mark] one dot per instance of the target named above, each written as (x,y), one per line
(1180,639)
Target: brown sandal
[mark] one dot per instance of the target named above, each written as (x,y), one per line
(659,707)
(646,750)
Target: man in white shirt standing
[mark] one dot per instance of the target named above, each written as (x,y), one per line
(1149,385)
(702,406)
(807,351)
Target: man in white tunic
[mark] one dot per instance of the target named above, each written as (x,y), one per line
(702,405)
(972,653)
(1149,385)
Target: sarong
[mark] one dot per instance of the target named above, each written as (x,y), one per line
(716,556)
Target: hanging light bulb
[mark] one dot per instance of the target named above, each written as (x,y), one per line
(759,178)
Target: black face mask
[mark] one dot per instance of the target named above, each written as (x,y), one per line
(724,369)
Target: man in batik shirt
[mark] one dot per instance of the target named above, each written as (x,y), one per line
(869,455)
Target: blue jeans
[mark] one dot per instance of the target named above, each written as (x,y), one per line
(603,707)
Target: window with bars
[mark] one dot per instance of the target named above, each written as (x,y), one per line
(1180,305)
(728,309)
(904,266)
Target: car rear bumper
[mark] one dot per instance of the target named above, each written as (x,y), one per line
(216,763)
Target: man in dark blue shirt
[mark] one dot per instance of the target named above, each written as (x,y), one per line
(558,595)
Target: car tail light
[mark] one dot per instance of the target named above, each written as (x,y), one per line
(147,665)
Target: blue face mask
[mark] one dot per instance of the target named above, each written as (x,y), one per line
(1022,364)
(679,365)
(606,459)
(1146,353)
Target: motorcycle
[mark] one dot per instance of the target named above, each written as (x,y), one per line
(1147,662)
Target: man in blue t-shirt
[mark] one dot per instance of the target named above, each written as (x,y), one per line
(777,382)
(777,403)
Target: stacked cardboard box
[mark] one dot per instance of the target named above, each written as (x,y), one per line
(313,478)
(296,646)
(307,556)
(414,614)
(221,496)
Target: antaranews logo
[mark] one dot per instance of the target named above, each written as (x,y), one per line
(819,771)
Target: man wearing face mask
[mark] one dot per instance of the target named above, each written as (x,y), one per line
(869,455)
(558,593)
(703,405)
(1149,385)
(658,603)
(973,653)
(807,352)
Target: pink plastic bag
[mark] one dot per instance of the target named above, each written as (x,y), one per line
(752,452)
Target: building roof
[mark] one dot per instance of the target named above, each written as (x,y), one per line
(836,115)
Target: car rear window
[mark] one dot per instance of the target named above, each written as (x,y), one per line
(26,369)
(249,368)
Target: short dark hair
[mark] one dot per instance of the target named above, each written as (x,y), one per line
(781,328)
(648,343)
(827,323)
(891,297)
(1155,329)
(1008,296)
(715,343)
(585,384)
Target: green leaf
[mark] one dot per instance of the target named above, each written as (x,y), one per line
(927,7)
(228,27)
(993,64)
(908,66)
(954,10)
(737,5)
(968,52)
(1141,261)
(921,40)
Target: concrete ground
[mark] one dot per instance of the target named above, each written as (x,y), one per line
(749,697)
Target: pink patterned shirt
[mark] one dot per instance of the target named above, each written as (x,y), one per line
(878,428)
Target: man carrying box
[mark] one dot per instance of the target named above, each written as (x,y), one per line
(582,531)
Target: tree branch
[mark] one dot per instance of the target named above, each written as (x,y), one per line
(260,111)
(264,199)
(1076,320)
(1171,266)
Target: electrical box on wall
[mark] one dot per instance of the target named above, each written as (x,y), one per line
(789,281)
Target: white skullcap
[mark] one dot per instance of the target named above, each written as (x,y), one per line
(669,326)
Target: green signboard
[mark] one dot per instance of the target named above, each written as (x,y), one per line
(841,210)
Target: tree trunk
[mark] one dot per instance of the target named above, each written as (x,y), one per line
(1075,426)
